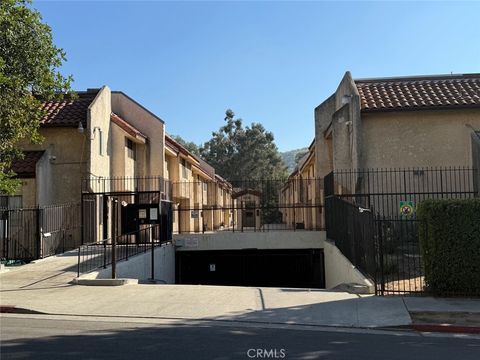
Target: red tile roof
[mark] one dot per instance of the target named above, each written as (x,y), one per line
(129,129)
(176,147)
(68,112)
(415,93)
(25,168)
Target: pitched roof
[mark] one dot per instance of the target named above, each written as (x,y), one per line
(176,147)
(25,168)
(68,112)
(128,128)
(240,192)
(417,93)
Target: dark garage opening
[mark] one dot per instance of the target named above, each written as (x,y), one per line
(301,268)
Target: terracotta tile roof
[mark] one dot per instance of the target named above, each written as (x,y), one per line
(206,167)
(25,168)
(176,147)
(129,129)
(68,112)
(416,93)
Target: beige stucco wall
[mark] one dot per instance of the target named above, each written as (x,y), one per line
(63,164)
(342,120)
(44,180)
(28,191)
(227,240)
(419,138)
(98,119)
(388,139)
(118,150)
(323,119)
(149,125)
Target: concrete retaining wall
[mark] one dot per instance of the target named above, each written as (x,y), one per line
(339,270)
(139,266)
(250,240)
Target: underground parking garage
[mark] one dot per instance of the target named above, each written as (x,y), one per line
(295,268)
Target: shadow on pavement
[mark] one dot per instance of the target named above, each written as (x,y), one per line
(101,340)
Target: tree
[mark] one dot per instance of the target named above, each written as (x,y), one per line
(28,74)
(189,145)
(247,157)
(242,153)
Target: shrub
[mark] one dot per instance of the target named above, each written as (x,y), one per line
(450,244)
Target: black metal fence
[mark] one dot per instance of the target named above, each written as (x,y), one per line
(371,215)
(99,255)
(100,185)
(33,233)
(251,205)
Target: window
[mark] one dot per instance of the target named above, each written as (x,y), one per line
(204,186)
(184,168)
(131,150)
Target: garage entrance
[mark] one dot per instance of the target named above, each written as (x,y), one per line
(297,268)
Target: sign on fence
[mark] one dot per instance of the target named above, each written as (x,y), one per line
(407,209)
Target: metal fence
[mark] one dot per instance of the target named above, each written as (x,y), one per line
(33,233)
(100,185)
(248,205)
(99,255)
(371,216)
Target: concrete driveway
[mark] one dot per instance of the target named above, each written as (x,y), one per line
(45,287)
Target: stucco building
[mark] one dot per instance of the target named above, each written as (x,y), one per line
(89,137)
(300,197)
(202,200)
(403,122)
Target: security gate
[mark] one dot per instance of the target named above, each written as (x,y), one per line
(370,214)
(32,233)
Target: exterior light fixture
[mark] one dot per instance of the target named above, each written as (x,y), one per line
(80,127)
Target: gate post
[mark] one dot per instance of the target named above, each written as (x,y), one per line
(380,256)
(39,232)
(114,238)
(82,219)
(4,219)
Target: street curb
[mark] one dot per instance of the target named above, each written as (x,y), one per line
(446,328)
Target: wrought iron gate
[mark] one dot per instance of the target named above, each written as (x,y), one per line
(370,214)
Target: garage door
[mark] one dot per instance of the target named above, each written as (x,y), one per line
(277,268)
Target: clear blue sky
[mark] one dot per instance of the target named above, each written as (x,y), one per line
(270,62)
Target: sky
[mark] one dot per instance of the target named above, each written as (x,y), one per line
(270,62)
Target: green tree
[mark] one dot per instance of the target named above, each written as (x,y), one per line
(189,145)
(239,153)
(29,63)
(247,157)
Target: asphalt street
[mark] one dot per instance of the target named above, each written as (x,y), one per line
(47,338)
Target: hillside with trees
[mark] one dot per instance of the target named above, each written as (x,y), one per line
(292,157)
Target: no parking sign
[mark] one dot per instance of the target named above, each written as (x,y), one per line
(407,209)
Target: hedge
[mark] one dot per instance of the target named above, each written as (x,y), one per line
(450,243)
